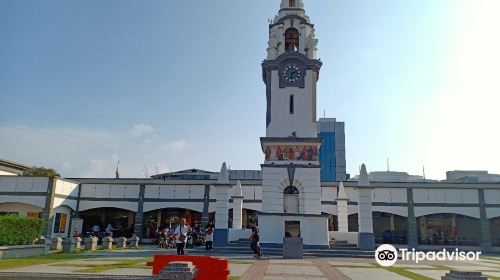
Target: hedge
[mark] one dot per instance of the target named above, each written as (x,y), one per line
(16,230)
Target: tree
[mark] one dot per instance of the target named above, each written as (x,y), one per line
(41,171)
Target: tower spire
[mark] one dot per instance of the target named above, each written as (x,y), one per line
(291,4)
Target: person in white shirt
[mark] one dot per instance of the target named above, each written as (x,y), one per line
(181,233)
(209,239)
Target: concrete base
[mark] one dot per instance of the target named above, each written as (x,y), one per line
(366,241)
(293,248)
(313,229)
(21,251)
(221,237)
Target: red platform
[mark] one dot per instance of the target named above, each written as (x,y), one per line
(209,268)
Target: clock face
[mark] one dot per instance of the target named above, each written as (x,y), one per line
(291,73)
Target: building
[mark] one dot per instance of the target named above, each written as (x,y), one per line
(287,196)
(12,168)
(472,176)
(332,153)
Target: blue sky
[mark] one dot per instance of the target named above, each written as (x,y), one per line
(177,84)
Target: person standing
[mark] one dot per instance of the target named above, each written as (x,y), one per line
(109,230)
(254,240)
(209,239)
(181,233)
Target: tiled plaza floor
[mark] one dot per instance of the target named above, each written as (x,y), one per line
(245,268)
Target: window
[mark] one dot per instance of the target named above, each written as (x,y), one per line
(33,215)
(291,200)
(291,3)
(292,107)
(292,39)
(60,222)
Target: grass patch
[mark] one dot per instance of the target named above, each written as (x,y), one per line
(492,277)
(241,262)
(97,268)
(45,259)
(234,278)
(403,272)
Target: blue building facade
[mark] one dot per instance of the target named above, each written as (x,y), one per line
(332,151)
(327,157)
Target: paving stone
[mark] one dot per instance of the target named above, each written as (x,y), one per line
(43,268)
(414,265)
(237,269)
(291,262)
(367,265)
(128,271)
(293,270)
(370,273)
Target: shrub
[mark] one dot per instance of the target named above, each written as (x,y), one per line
(16,230)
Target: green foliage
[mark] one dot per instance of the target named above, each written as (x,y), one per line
(16,230)
(41,171)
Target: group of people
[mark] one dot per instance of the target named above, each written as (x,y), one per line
(182,230)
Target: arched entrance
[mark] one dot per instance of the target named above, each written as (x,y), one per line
(448,229)
(122,220)
(495,231)
(169,217)
(389,228)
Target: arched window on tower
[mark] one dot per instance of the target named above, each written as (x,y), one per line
(291,3)
(292,40)
(291,200)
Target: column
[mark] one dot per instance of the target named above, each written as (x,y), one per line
(48,211)
(237,206)
(139,215)
(484,224)
(411,234)
(221,233)
(342,209)
(206,203)
(366,238)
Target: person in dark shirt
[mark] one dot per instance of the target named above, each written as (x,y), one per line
(254,240)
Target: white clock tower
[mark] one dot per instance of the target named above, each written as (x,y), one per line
(291,191)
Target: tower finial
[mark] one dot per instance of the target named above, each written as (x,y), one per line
(117,171)
(290,4)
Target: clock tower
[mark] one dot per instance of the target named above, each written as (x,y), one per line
(291,190)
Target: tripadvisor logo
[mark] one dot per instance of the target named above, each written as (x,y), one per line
(387,255)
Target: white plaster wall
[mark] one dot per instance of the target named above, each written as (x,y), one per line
(445,196)
(350,237)
(302,122)
(492,213)
(174,191)
(195,206)
(396,210)
(307,180)
(328,193)
(23,184)
(67,211)
(252,206)
(62,201)
(352,194)
(110,191)
(389,195)
(467,211)
(66,188)
(127,205)
(237,234)
(492,196)
(314,230)
(330,209)
(21,208)
(33,200)
(6,173)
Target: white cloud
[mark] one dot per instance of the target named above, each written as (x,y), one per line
(80,152)
(141,129)
(177,146)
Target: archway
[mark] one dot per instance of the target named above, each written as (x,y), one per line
(495,231)
(389,228)
(292,36)
(122,220)
(448,229)
(20,209)
(169,217)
